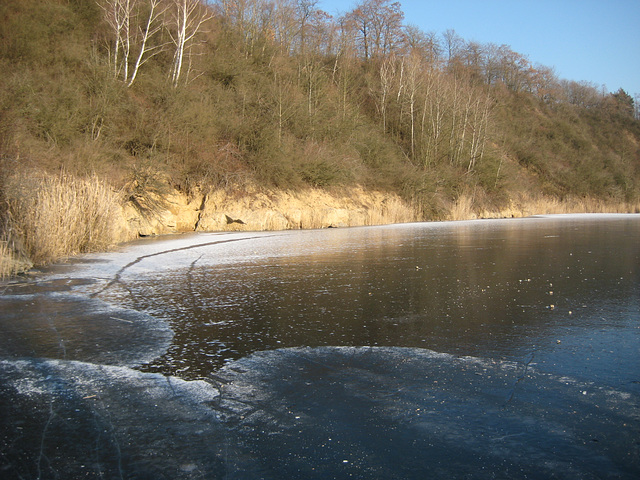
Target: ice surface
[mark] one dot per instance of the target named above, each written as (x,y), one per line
(68,325)
(63,419)
(73,405)
(409,413)
(328,412)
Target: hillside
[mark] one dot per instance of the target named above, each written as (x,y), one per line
(120,107)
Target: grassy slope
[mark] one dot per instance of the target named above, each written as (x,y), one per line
(249,119)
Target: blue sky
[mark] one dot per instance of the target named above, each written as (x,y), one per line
(584,40)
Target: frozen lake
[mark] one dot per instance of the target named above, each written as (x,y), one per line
(484,349)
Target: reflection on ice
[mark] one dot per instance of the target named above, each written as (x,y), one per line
(483,289)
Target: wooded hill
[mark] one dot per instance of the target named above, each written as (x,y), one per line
(278,94)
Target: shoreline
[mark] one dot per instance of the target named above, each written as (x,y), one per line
(130,249)
(258,210)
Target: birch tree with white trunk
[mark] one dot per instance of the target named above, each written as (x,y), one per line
(187,22)
(133,24)
(414,78)
(150,29)
(117,14)
(387,76)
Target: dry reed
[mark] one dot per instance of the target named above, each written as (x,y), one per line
(525,205)
(9,264)
(462,209)
(391,211)
(60,215)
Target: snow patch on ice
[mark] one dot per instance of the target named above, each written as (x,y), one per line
(55,377)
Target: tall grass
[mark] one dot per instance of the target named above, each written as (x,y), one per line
(60,215)
(391,210)
(10,262)
(462,208)
(525,205)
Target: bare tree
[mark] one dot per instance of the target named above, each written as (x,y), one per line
(283,95)
(152,27)
(360,20)
(343,72)
(387,76)
(584,94)
(285,25)
(480,126)
(426,43)
(432,114)
(261,22)
(305,11)
(379,26)
(118,16)
(131,34)
(452,44)
(188,18)
(413,84)
(512,68)
(544,83)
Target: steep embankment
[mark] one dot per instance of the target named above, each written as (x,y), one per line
(220,210)
(263,209)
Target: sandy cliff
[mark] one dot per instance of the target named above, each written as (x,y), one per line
(263,210)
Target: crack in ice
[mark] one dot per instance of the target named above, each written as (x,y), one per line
(521,377)
(118,275)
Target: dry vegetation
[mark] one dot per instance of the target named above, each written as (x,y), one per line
(10,264)
(280,96)
(59,215)
(527,205)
